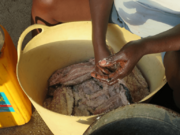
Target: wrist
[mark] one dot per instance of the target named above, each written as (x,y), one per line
(101,53)
(145,46)
(100,48)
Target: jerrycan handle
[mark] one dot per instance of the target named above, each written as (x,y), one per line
(25,32)
(1,38)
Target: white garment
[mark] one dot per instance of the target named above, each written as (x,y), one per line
(149,17)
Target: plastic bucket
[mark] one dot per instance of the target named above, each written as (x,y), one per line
(62,45)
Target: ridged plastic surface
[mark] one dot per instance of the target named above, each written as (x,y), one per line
(15,107)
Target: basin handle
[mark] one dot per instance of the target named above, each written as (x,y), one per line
(25,32)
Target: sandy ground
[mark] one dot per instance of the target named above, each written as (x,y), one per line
(35,126)
(15,17)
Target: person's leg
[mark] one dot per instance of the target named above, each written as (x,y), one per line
(52,12)
(172,71)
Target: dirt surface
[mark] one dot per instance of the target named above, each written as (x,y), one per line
(15,17)
(35,126)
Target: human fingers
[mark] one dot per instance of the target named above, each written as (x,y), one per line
(119,66)
(99,75)
(118,74)
(104,70)
(115,73)
(103,78)
(108,62)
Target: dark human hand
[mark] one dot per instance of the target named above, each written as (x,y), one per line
(100,54)
(124,61)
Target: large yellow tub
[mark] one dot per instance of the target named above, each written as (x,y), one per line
(63,45)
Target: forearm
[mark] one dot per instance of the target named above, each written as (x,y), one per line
(100,12)
(163,42)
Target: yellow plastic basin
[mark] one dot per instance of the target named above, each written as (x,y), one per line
(63,45)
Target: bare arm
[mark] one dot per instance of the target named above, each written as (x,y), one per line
(100,12)
(166,41)
(132,52)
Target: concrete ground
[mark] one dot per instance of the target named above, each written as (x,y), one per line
(15,17)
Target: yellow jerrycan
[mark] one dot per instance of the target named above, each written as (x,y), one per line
(15,107)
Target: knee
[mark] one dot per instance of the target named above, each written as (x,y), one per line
(42,11)
(42,5)
(172,67)
(172,71)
